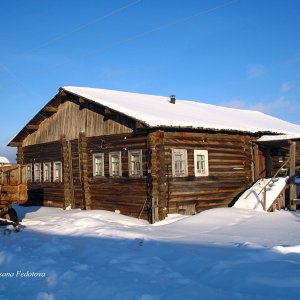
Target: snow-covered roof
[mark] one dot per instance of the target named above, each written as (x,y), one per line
(281,137)
(156,111)
(4,160)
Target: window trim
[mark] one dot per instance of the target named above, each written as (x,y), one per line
(111,154)
(54,171)
(35,177)
(98,155)
(29,178)
(205,154)
(185,171)
(44,171)
(130,171)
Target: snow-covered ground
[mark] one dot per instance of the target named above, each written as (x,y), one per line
(226,253)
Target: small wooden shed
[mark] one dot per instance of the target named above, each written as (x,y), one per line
(140,155)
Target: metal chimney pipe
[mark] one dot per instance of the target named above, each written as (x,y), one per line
(172,99)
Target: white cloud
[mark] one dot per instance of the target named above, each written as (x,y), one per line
(235,103)
(256,71)
(280,103)
(293,61)
(285,87)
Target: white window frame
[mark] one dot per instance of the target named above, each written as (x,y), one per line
(29,172)
(132,164)
(96,172)
(37,172)
(47,177)
(184,170)
(55,169)
(111,156)
(199,172)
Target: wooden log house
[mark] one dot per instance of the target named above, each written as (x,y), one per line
(141,155)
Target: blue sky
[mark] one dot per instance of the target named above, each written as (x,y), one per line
(243,54)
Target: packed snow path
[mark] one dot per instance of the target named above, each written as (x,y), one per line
(223,253)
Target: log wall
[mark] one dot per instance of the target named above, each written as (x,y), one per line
(127,194)
(44,193)
(230,171)
(157,192)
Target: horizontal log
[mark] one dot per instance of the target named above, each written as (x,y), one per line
(120,206)
(32,126)
(108,192)
(49,108)
(131,199)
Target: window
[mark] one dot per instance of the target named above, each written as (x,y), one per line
(201,162)
(29,172)
(47,171)
(57,171)
(37,172)
(115,167)
(179,162)
(98,164)
(135,162)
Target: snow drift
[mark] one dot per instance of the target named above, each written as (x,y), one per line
(225,253)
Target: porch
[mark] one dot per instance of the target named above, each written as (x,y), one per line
(276,157)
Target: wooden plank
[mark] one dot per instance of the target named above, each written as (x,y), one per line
(256,162)
(32,127)
(295,202)
(151,192)
(49,108)
(293,188)
(20,155)
(60,123)
(66,173)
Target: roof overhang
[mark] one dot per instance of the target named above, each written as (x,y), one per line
(47,111)
(51,108)
(277,141)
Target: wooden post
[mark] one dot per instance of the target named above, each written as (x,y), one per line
(256,162)
(157,181)
(265,198)
(2,173)
(268,163)
(293,191)
(66,173)
(149,181)
(162,179)
(82,145)
(152,178)
(69,146)
(20,155)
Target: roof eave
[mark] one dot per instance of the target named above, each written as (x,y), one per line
(33,124)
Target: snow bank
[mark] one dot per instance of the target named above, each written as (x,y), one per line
(3,160)
(253,198)
(225,253)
